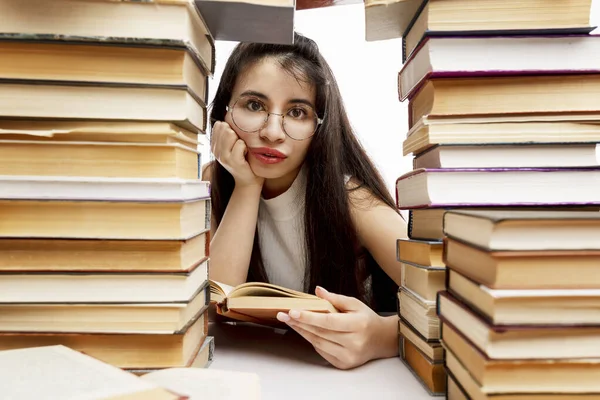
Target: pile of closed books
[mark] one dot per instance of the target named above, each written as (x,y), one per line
(520,314)
(503,117)
(104,228)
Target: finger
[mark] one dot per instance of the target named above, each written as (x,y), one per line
(225,139)
(218,138)
(325,348)
(341,302)
(214,137)
(228,138)
(238,152)
(332,336)
(329,321)
(329,358)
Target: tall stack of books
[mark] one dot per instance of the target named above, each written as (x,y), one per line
(103,228)
(520,317)
(503,114)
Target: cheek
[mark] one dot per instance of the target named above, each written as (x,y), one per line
(241,134)
(300,149)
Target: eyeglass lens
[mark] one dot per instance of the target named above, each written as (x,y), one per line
(251,115)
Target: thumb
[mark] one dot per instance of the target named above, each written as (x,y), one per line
(341,302)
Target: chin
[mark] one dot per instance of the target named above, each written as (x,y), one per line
(273,171)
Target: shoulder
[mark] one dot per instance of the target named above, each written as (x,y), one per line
(375,222)
(207,171)
(360,197)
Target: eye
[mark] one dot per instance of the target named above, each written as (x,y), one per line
(254,106)
(297,113)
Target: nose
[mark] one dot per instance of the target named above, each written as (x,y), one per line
(273,129)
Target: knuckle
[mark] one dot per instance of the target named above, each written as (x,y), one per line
(363,325)
(348,362)
(228,127)
(361,344)
(329,320)
(355,344)
(320,331)
(316,341)
(340,365)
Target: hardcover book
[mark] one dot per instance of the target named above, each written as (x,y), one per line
(260,302)
(456,187)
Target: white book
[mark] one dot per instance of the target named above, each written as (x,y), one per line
(58,372)
(203,384)
(101,189)
(505,55)
(103,287)
(510,156)
(455,187)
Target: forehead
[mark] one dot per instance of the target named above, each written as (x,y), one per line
(269,78)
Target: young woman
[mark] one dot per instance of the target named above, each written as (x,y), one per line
(297,202)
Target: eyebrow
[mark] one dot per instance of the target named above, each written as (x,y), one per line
(266,98)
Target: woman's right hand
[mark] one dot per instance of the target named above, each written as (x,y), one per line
(230,151)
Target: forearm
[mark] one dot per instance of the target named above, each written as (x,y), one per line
(387,338)
(231,245)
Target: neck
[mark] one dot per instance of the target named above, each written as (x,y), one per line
(276,186)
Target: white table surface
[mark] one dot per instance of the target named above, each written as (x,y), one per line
(289,368)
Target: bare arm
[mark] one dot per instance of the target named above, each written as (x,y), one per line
(231,242)
(378,227)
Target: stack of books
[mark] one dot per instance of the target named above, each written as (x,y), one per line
(520,316)
(503,114)
(423,275)
(103,232)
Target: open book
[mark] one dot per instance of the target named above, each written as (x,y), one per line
(260,302)
(202,384)
(59,372)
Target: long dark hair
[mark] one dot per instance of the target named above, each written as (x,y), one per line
(334,258)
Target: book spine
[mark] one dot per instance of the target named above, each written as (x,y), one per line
(409,27)
(411,123)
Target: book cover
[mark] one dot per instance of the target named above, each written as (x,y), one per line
(575,60)
(102,189)
(249,21)
(493,33)
(564,173)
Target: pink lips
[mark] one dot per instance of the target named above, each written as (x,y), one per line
(267,155)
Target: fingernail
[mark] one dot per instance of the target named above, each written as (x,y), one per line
(295,314)
(323,289)
(283,317)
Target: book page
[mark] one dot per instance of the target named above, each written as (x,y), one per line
(59,373)
(549,293)
(220,288)
(268,290)
(200,384)
(44,133)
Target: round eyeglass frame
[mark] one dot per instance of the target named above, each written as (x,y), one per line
(268,114)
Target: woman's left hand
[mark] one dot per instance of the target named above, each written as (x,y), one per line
(346,339)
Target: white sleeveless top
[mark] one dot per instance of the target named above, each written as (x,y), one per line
(281,235)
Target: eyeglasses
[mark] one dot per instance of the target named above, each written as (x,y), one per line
(249,114)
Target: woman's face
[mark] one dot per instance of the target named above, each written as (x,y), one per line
(266,87)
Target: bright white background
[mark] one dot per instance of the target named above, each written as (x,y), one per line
(366,73)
